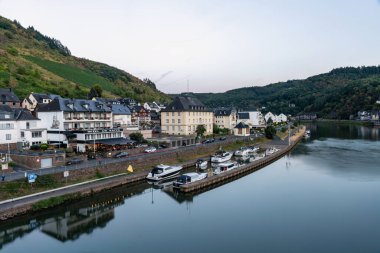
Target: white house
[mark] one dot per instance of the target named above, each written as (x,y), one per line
(34,99)
(252,119)
(276,118)
(121,115)
(80,123)
(20,129)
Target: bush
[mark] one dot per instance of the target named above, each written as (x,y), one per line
(44,146)
(283,129)
(46,181)
(138,137)
(270,131)
(35,147)
(13,51)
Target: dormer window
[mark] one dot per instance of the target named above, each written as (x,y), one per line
(85,106)
(71,106)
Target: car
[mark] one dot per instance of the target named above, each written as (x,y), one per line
(120,154)
(223,138)
(74,161)
(93,156)
(150,150)
(163,146)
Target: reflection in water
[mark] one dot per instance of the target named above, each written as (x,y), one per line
(323,197)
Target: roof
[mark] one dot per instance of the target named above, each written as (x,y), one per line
(241,125)
(120,109)
(186,103)
(223,112)
(74,105)
(7,95)
(137,108)
(40,97)
(243,115)
(18,114)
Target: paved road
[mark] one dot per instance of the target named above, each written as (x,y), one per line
(93,163)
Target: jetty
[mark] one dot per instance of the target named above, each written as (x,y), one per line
(228,176)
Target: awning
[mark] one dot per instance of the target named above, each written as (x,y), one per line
(115,141)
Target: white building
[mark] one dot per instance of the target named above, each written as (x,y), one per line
(276,118)
(80,123)
(252,119)
(20,129)
(225,118)
(121,115)
(34,99)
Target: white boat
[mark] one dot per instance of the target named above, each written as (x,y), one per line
(221,157)
(253,149)
(256,157)
(189,178)
(161,172)
(223,167)
(201,164)
(271,150)
(243,151)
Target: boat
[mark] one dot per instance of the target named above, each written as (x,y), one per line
(253,149)
(221,156)
(223,167)
(161,172)
(189,178)
(256,157)
(243,151)
(201,164)
(271,150)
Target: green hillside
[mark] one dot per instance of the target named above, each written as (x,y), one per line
(337,95)
(31,61)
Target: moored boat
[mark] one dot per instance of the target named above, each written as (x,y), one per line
(189,178)
(161,172)
(221,156)
(201,164)
(223,167)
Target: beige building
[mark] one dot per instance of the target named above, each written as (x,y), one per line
(225,118)
(183,116)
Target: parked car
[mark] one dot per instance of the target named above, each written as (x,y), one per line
(93,156)
(74,161)
(150,150)
(223,138)
(120,154)
(107,154)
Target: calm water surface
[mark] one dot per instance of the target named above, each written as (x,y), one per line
(324,197)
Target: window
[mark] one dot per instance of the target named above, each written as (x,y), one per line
(173,121)
(172,113)
(179,121)
(173,128)
(167,121)
(167,113)
(22,134)
(179,114)
(27,125)
(8,137)
(37,134)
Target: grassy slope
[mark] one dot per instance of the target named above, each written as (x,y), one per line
(28,63)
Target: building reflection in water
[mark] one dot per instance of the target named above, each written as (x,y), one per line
(71,221)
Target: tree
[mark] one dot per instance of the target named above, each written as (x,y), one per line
(200,130)
(270,121)
(215,129)
(138,137)
(270,131)
(95,92)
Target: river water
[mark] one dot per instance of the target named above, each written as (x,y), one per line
(323,197)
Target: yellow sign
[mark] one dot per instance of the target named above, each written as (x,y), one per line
(130,169)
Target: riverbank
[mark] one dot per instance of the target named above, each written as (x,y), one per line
(343,121)
(64,192)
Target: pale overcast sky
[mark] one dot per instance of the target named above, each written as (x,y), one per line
(216,45)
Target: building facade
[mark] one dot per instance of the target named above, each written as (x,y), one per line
(20,129)
(78,123)
(254,119)
(225,118)
(184,115)
(7,97)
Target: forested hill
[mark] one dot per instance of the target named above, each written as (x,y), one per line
(338,94)
(31,61)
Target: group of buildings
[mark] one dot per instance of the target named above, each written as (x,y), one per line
(84,124)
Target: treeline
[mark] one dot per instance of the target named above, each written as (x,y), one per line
(339,94)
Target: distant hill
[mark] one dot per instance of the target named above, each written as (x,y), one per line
(337,95)
(31,61)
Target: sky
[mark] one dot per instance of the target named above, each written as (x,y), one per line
(211,46)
